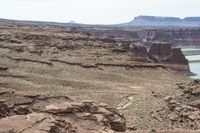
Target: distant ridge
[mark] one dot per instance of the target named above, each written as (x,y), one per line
(30,22)
(164,21)
(140,21)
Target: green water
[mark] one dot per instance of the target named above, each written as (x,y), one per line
(193,55)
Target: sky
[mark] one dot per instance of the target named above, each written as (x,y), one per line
(95,11)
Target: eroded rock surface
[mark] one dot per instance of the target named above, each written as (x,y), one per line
(183,111)
(43,114)
(160,51)
(172,57)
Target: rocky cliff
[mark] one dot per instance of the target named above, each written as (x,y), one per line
(179,34)
(172,57)
(179,37)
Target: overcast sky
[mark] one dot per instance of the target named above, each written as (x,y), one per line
(95,11)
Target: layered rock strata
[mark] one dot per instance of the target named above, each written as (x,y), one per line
(171,57)
(44,114)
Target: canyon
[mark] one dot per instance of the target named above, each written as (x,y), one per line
(146,35)
(70,78)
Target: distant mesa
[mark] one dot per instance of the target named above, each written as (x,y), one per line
(157,19)
(164,21)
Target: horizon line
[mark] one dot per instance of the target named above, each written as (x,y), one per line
(68,22)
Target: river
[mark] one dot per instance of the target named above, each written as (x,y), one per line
(193,55)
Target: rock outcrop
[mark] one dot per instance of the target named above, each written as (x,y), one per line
(171,57)
(59,114)
(160,51)
(178,57)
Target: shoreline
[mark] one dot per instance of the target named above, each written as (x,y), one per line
(193,56)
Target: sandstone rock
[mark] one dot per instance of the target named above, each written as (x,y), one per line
(178,57)
(89,111)
(164,52)
(61,116)
(58,108)
(21,122)
(160,51)
(171,57)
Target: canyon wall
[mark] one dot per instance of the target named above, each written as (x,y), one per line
(179,37)
(176,36)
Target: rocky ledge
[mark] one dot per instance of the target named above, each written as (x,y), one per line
(42,114)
